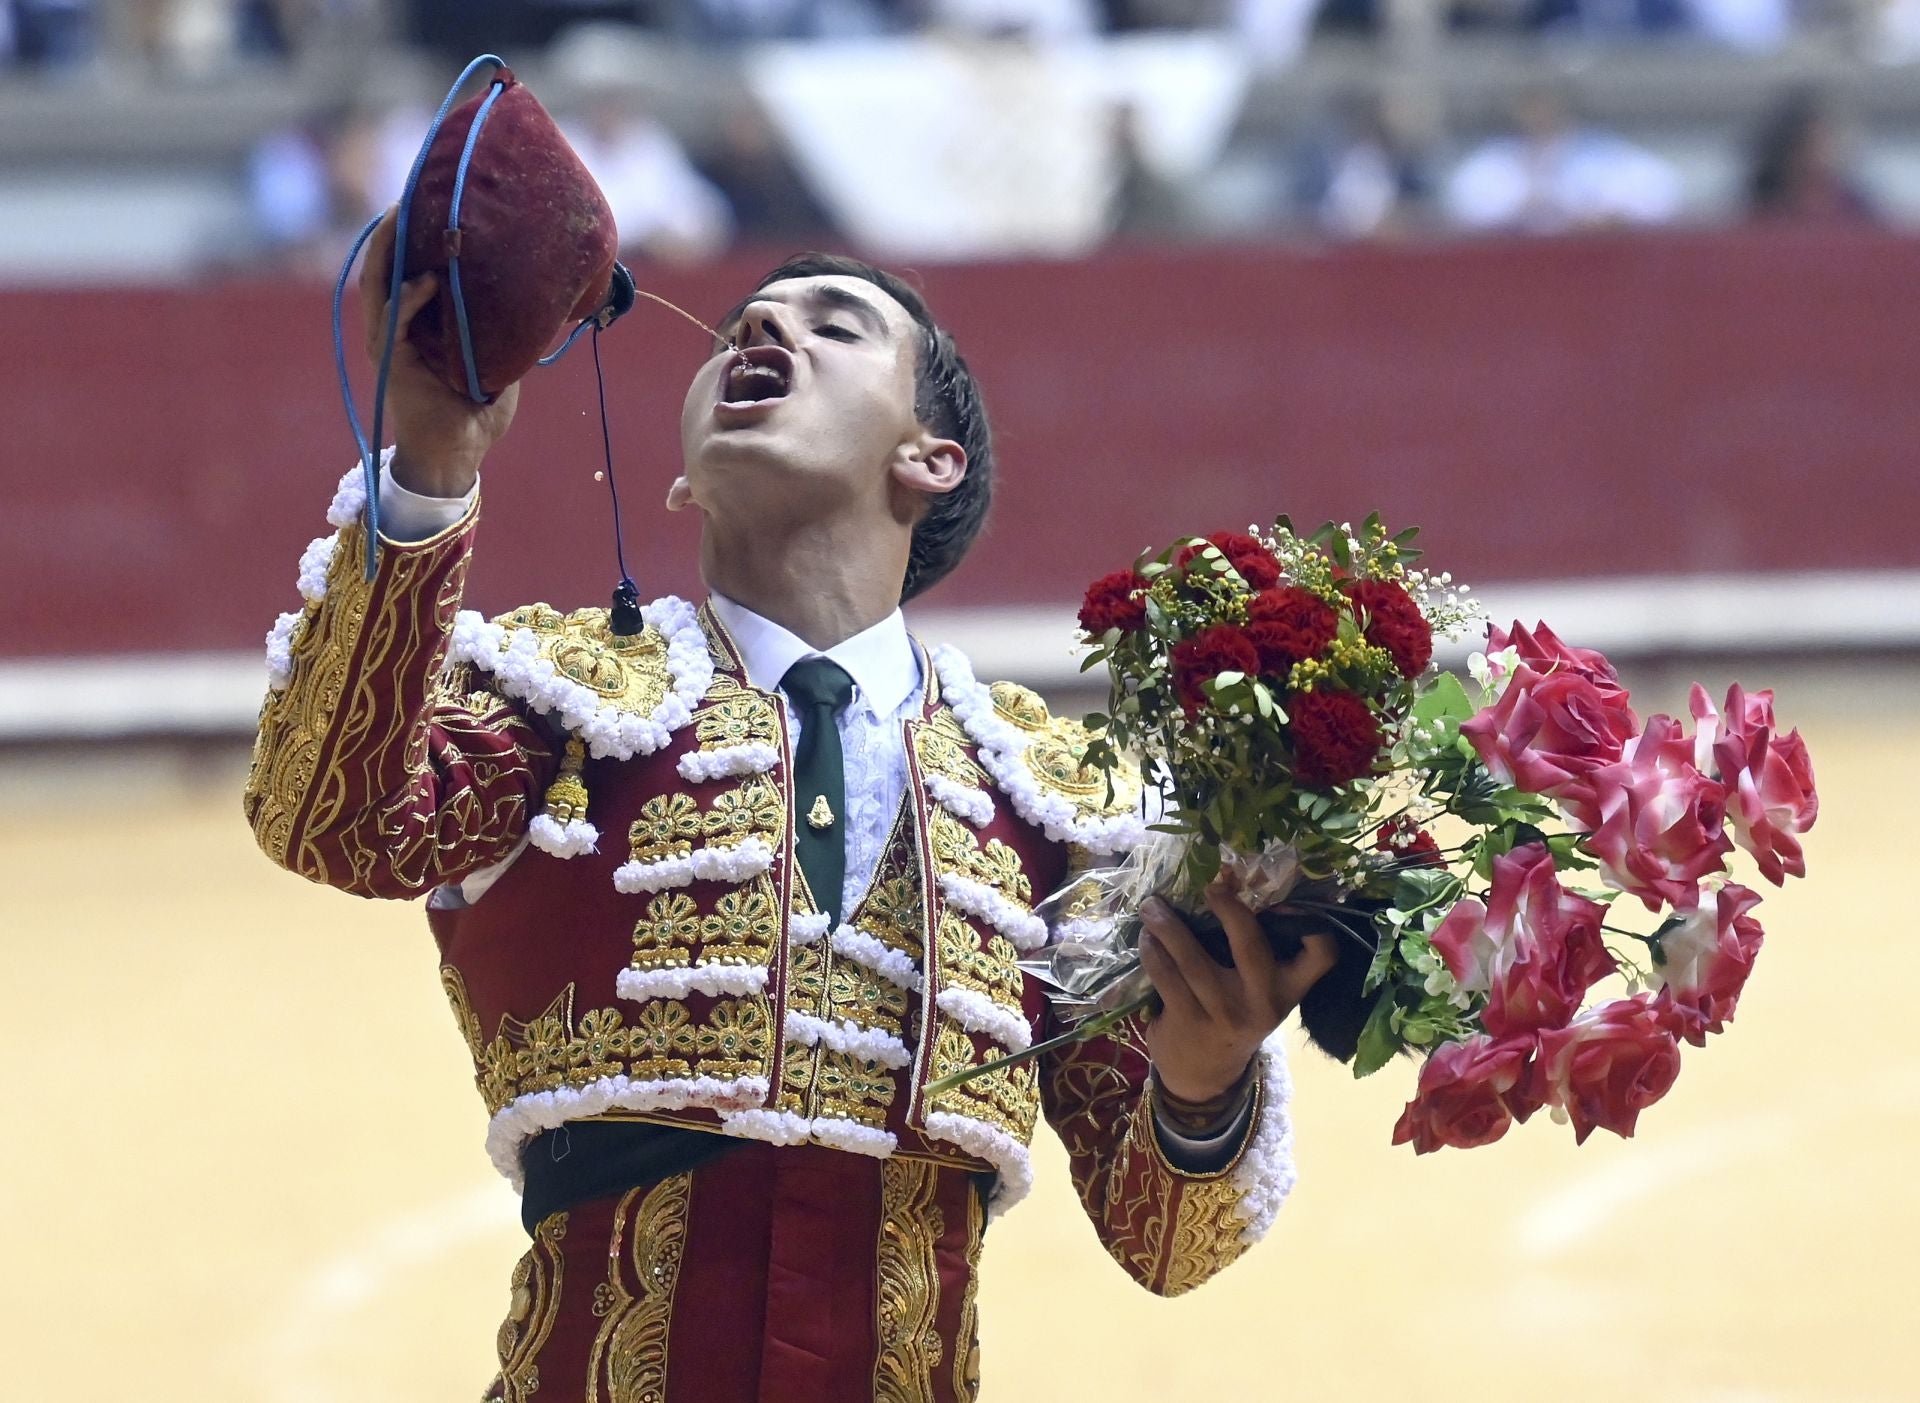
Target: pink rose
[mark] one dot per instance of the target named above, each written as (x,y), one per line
(1542,651)
(1769,779)
(1549,731)
(1534,950)
(1607,1066)
(1705,961)
(1469,1093)
(1658,824)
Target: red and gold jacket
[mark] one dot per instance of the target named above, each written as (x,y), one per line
(649,949)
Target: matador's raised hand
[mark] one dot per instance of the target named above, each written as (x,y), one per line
(439,435)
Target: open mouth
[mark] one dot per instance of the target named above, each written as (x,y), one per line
(758,375)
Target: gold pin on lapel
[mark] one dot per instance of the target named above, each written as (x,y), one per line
(821,814)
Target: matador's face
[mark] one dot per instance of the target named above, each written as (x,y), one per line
(816,409)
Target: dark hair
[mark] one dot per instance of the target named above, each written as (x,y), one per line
(946,400)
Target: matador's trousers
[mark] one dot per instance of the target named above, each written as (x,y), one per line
(795,1274)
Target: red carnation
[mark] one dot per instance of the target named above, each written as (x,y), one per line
(1335,737)
(1246,555)
(1210,652)
(1115,601)
(1289,626)
(1410,843)
(1394,622)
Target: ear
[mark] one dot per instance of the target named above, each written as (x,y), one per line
(930,466)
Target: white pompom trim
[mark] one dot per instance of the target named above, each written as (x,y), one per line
(1266,1172)
(574,838)
(847,1037)
(808,929)
(775,1127)
(526,1116)
(839,1134)
(1026,930)
(1075,928)
(890,964)
(280,650)
(316,561)
(963,801)
(977,1013)
(789,1128)
(513,656)
(729,762)
(989,1142)
(739,862)
(1002,750)
(676,983)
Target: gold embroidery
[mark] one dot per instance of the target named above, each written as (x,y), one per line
(743,926)
(891,913)
(531,1311)
(566,797)
(732,1039)
(944,754)
(992,969)
(628,1361)
(630,671)
(1007,1097)
(667,826)
(666,936)
(853,1088)
(907,1282)
(735,717)
(966,1355)
(755,808)
(463,1014)
(1019,705)
(999,867)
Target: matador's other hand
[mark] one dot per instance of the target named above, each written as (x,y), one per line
(1213,1018)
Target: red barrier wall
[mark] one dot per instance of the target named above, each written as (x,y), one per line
(1616,405)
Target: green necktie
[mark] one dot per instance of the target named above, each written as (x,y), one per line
(819,690)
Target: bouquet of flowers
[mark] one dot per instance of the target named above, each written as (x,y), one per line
(1489,854)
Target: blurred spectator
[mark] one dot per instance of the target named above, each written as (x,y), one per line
(1800,166)
(312,186)
(1552,175)
(1610,19)
(664,207)
(1367,174)
(771,203)
(47,33)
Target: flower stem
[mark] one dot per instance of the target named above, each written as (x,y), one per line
(1079,1032)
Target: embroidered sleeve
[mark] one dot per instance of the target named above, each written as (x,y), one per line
(374,771)
(1170,1230)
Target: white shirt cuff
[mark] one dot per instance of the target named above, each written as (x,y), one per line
(409,516)
(1203,1156)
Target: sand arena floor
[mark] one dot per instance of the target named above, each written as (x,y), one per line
(243,1160)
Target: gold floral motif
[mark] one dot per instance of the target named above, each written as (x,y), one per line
(1206,1233)
(1019,705)
(531,1311)
(735,717)
(852,1088)
(999,867)
(628,1361)
(755,809)
(1008,1097)
(944,754)
(666,936)
(892,912)
(954,846)
(907,1282)
(991,968)
(743,926)
(857,993)
(732,1039)
(667,826)
(966,1355)
(807,979)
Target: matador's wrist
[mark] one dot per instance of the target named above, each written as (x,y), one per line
(1202,1120)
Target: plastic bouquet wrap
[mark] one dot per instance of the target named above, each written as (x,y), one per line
(1489,854)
